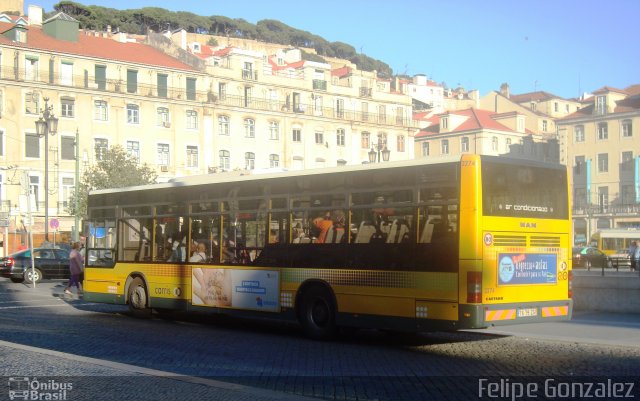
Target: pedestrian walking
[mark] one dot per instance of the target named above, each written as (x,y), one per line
(632,254)
(76,268)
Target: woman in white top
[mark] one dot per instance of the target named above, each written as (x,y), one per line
(199,256)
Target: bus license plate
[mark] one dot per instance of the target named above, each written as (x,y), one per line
(528,312)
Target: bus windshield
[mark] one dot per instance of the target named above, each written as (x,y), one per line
(510,190)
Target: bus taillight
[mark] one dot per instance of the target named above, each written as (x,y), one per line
(570,286)
(474,287)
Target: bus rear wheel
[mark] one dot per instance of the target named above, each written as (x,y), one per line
(317,314)
(138,299)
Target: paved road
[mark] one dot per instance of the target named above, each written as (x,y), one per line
(106,354)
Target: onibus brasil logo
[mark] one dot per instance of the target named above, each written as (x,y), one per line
(25,388)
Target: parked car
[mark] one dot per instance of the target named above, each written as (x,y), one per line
(621,258)
(588,257)
(49,263)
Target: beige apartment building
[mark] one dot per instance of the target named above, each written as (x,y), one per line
(601,143)
(481,132)
(181,112)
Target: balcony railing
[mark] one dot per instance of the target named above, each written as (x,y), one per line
(206,97)
(319,84)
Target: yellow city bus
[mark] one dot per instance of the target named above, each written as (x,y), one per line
(612,240)
(431,244)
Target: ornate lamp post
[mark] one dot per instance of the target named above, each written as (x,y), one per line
(379,149)
(46,125)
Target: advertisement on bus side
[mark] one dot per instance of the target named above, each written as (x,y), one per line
(231,288)
(527,268)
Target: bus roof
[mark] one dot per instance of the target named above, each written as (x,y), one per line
(249,175)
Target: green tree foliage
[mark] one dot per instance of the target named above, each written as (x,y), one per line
(116,169)
(268,30)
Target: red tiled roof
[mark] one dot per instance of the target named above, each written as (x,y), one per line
(608,89)
(477,119)
(96,47)
(341,72)
(633,90)
(533,96)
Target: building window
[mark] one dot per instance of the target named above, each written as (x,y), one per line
(601,104)
(400,143)
(32,103)
(339,108)
(249,160)
(603,131)
(444,121)
(544,126)
(67,189)
(507,146)
(192,119)
(365,111)
(274,161)
(579,133)
(247,71)
(464,144)
(30,68)
(382,114)
(603,197)
(223,124)
(274,130)
(163,154)
(425,148)
(627,160)
(32,145)
(340,137)
(603,162)
(555,106)
(67,107)
(162,85)
(100,110)
(319,137)
(132,81)
(133,150)
(225,160)
(34,187)
(249,128)
(101,146)
(627,128)
(580,160)
(296,135)
(317,105)
(162,117)
(222,91)
(192,156)
(365,142)
(494,143)
(133,114)
(444,147)
(67,148)
(1,147)
(191,88)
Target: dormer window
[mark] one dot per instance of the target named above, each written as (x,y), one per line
(601,105)
(445,122)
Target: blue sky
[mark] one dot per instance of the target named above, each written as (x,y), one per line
(565,47)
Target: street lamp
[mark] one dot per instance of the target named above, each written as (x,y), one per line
(379,149)
(46,125)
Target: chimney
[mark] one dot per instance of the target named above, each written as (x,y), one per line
(504,90)
(35,15)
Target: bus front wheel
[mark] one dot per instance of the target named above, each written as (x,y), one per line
(138,299)
(318,314)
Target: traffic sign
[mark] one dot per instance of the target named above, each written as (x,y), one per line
(4,222)
(54,223)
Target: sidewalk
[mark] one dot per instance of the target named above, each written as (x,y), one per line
(622,329)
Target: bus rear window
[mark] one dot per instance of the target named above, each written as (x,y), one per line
(511,190)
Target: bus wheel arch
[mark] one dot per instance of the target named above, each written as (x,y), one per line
(137,292)
(316,309)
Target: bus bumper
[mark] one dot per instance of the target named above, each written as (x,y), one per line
(484,315)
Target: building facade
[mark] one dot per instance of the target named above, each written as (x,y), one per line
(177,111)
(600,142)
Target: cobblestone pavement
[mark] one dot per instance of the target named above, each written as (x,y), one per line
(268,359)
